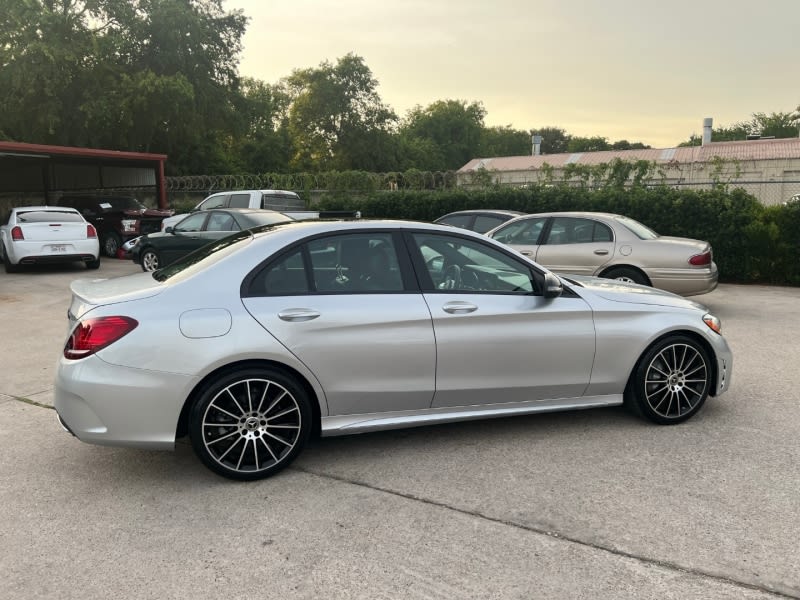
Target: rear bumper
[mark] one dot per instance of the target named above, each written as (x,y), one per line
(30,252)
(111,405)
(685,282)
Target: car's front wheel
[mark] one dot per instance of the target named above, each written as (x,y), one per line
(671,381)
(151,261)
(250,423)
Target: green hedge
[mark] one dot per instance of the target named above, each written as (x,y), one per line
(752,243)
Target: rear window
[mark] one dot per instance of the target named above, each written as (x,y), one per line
(643,232)
(120,204)
(49,216)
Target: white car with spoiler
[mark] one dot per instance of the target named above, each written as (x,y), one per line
(47,234)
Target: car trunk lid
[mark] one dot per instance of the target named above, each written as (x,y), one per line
(54,231)
(90,293)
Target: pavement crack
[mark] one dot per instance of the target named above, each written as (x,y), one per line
(32,402)
(665,564)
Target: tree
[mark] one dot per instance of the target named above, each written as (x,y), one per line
(778,125)
(337,119)
(554,139)
(155,75)
(454,126)
(587,144)
(504,141)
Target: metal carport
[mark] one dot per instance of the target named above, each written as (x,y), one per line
(48,170)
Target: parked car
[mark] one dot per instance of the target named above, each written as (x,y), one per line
(116,218)
(346,327)
(47,234)
(612,246)
(266,199)
(156,250)
(478,220)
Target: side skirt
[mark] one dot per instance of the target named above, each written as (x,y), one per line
(348,424)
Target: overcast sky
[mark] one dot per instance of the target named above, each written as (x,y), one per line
(641,70)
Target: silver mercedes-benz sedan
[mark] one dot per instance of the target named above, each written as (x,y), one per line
(255,342)
(612,246)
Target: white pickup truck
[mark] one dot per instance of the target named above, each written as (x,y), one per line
(289,203)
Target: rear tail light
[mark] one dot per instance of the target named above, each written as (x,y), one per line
(92,335)
(91,232)
(700,260)
(16,233)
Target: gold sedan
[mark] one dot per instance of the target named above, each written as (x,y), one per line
(612,246)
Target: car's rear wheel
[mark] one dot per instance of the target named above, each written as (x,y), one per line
(627,275)
(10,268)
(111,244)
(671,381)
(250,423)
(93,264)
(151,261)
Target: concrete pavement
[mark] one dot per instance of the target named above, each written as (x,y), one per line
(571,505)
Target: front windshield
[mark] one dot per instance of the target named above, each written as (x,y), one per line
(643,232)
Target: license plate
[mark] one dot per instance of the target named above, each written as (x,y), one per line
(58,248)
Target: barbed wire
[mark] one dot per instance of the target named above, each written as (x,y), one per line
(317,182)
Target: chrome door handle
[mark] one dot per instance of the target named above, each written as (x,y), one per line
(458,307)
(298,314)
(601,252)
(526,252)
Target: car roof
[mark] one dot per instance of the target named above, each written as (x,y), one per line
(311,227)
(250,191)
(484,211)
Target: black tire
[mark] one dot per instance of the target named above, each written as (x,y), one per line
(7,263)
(671,381)
(93,264)
(250,423)
(150,260)
(627,274)
(111,243)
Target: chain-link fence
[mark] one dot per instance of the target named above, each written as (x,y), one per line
(769,193)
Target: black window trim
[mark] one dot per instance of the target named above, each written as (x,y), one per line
(408,277)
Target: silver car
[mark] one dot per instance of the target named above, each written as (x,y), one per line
(612,246)
(255,342)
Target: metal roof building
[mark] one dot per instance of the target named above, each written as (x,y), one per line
(768,168)
(44,172)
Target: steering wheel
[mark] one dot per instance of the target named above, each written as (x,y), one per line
(452,278)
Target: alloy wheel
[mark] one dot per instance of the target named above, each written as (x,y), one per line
(676,380)
(251,425)
(150,261)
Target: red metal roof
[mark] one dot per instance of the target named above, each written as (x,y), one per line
(745,150)
(20,148)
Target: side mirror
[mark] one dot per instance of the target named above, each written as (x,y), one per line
(552,286)
(169,230)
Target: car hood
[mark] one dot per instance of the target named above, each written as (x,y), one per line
(632,293)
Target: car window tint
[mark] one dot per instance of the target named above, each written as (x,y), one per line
(192,222)
(213,202)
(285,277)
(484,223)
(572,230)
(239,201)
(522,232)
(460,265)
(456,220)
(49,216)
(218,221)
(355,263)
(602,233)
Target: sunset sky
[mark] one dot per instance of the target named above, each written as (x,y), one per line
(641,70)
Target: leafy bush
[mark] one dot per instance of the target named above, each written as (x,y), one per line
(751,242)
